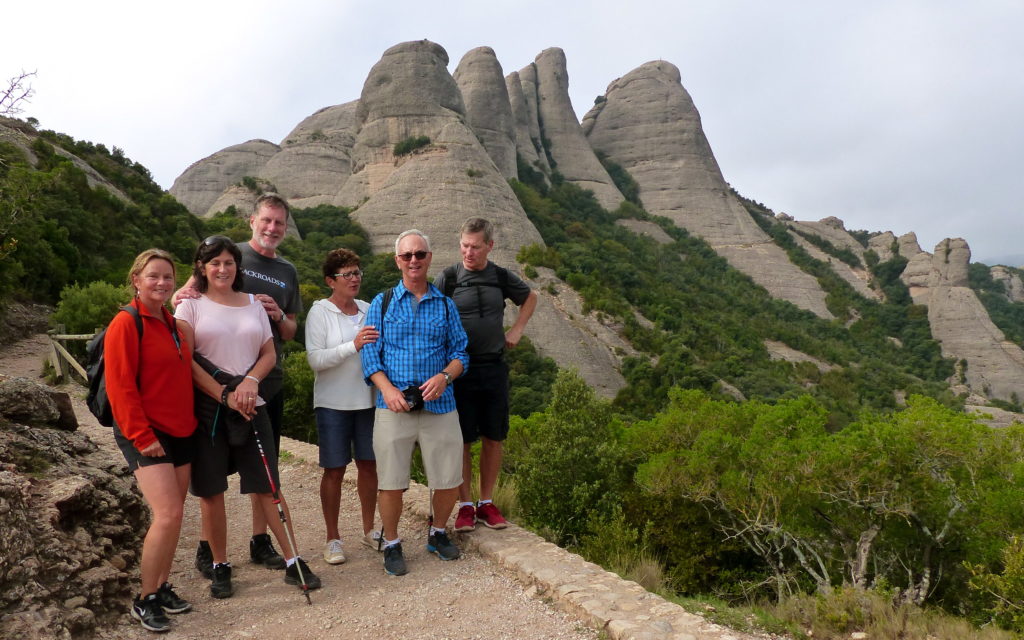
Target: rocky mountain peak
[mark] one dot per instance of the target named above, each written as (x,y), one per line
(488,106)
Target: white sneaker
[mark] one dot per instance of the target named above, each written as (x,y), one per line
(333,553)
(372,540)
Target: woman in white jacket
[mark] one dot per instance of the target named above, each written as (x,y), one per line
(343,402)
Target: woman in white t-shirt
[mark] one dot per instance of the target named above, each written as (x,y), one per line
(231,332)
(343,402)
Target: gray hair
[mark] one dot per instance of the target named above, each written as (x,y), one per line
(412,232)
(477,225)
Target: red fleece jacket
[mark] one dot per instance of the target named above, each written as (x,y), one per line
(162,397)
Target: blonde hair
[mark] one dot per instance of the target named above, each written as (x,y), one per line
(144,258)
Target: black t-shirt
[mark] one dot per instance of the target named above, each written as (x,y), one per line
(481,303)
(277,278)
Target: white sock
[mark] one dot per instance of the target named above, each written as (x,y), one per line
(391,543)
(434,530)
(288,563)
(483,502)
(466,504)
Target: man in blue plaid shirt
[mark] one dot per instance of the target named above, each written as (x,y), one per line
(421,349)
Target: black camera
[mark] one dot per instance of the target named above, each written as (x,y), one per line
(413,397)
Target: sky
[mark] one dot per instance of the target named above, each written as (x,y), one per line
(890,115)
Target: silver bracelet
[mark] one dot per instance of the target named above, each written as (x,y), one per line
(257,380)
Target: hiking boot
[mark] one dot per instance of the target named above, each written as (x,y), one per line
(466,519)
(170,601)
(333,553)
(440,544)
(372,540)
(204,560)
(221,587)
(291,575)
(394,561)
(262,551)
(149,612)
(490,516)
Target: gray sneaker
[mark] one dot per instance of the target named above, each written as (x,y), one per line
(394,561)
(440,544)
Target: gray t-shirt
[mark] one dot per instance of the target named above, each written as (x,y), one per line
(277,278)
(481,303)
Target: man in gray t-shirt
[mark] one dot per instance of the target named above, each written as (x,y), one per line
(480,288)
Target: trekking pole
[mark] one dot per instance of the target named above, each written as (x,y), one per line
(430,512)
(280,513)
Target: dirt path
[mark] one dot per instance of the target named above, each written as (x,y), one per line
(469,598)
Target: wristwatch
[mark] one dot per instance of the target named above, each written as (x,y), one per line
(447,377)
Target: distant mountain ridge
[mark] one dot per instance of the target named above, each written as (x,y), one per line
(485,127)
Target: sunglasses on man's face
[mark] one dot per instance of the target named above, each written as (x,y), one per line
(420,255)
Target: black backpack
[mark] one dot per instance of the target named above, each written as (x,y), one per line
(451,277)
(99,404)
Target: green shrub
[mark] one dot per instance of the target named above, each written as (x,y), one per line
(410,144)
(299,419)
(86,309)
(566,460)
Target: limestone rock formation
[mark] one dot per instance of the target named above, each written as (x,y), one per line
(409,92)
(72,526)
(526,148)
(574,158)
(1012,284)
(995,366)
(882,244)
(833,230)
(917,274)
(528,85)
(314,161)
(908,245)
(488,110)
(648,124)
(199,187)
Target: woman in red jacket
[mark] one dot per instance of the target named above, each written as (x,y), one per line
(149,384)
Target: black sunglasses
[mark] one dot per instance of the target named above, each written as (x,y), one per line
(406,257)
(212,240)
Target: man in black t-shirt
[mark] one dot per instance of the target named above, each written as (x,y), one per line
(480,288)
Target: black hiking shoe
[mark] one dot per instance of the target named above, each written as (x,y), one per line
(204,560)
(149,612)
(394,561)
(221,586)
(170,601)
(291,575)
(261,551)
(440,544)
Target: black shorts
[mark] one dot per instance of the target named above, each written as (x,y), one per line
(216,459)
(481,397)
(177,451)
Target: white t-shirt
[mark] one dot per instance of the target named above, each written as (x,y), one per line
(331,351)
(229,337)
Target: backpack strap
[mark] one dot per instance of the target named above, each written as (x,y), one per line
(450,274)
(134,313)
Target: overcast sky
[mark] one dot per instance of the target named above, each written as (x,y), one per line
(901,116)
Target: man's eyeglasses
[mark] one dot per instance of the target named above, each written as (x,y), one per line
(420,255)
(348,275)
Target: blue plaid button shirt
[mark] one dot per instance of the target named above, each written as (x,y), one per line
(417,341)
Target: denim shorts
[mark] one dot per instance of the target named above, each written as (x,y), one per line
(344,436)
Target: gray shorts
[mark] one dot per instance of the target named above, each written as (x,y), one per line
(396,434)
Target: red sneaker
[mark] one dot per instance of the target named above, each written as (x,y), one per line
(490,516)
(466,520)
